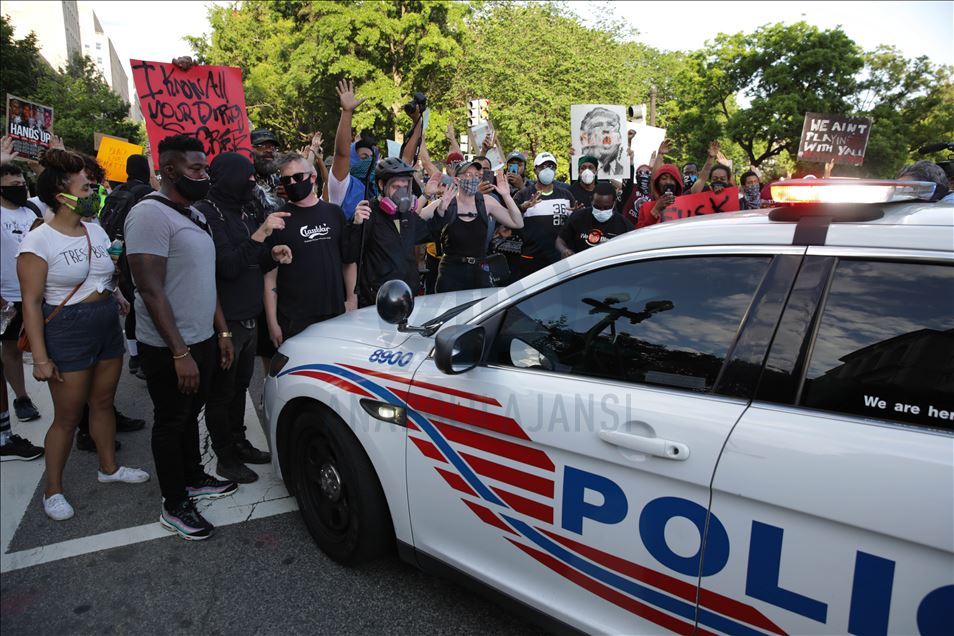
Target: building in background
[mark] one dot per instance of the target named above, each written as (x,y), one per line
(65,28)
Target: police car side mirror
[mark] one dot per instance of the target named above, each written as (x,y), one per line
(459,348)
(395,302)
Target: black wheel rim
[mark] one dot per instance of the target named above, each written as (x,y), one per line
(325,492)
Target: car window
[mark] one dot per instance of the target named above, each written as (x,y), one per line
(885,344)
(667,322)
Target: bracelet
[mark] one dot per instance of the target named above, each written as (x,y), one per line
(182,355)
(225,334)
(35,363)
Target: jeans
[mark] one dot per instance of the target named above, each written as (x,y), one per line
(175,432)
(225,408)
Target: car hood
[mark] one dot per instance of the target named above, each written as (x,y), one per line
(366,327)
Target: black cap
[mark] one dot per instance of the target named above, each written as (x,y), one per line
(260,136)
(466,164)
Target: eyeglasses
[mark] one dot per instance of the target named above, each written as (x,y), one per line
(298,177)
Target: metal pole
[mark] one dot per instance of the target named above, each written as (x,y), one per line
(652,105)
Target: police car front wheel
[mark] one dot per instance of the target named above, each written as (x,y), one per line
(338,491)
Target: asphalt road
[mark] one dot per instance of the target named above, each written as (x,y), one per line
(111,569)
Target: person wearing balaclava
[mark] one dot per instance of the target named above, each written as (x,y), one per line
(584,187)
(751,198)
(639,194)
(666,186)
(240,253)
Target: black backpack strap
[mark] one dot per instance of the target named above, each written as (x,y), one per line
(36,209)
(486,218)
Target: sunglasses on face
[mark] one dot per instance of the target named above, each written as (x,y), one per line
(298,177)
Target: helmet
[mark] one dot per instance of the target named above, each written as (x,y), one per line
(392,167)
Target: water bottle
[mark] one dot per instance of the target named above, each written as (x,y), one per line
(115,249)
(6,315)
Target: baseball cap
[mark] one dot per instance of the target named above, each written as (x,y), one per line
(516,154)
(466,164)
(454,156)
(260,136)
(543,157)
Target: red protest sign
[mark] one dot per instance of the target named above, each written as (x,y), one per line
(205,102)
(702,203)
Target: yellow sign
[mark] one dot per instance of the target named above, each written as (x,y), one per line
(112,157)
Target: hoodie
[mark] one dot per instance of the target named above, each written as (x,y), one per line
(645,211)
(238,258)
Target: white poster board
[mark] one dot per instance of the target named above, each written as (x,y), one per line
(394,148)
(645,143)
(600,130)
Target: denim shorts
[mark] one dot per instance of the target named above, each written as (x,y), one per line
(81,335)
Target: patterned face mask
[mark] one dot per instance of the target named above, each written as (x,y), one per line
(468,185)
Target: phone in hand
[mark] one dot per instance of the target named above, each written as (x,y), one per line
(489,176)
(513,168)
(447,180)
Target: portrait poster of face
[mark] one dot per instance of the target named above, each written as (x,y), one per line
(599,130)
(30,125)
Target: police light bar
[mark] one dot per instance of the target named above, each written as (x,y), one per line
(856,191)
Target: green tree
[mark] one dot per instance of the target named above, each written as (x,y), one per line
(22,65)
(82,104)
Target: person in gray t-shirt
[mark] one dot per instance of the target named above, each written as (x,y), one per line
(172,260)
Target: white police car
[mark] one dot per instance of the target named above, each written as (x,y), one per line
(737,424)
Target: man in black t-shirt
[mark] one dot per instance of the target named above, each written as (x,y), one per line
(591,226)
(312,287)
(545,206)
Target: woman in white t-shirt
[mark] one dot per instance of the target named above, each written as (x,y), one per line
(79,351)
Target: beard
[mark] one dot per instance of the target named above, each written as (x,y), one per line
(265,167)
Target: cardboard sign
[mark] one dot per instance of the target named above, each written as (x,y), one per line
(112,157)
(205,102)
(646,143)
(702,203)
(836,138)
(30,125)
(98,139)
(600,130)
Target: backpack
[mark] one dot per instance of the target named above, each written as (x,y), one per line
(118,204)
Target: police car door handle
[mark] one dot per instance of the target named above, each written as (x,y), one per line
(656,446)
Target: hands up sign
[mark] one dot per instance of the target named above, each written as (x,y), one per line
(205,102)
(836,138)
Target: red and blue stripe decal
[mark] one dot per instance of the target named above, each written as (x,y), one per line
(659,598)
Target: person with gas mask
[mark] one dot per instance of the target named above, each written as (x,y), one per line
(751,198)
(583,188)
(389,231)
(240,255)
(464,220)
(545,206)
(665,187)
(181,329)
(593,225)
(70,317)
(312,286)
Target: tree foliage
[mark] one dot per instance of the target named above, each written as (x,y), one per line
(22,65)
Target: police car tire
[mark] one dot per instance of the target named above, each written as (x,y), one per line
(369,532)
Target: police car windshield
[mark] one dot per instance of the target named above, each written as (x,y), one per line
(450,313)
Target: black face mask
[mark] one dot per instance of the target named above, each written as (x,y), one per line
(191,189)
(15,194)
(248,191)
(669,188)
(299,191)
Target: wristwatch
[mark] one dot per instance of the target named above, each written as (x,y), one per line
(225,334)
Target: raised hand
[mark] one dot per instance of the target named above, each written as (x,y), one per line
(7,153)
(449,193)
(503,184)
(535,199)
(362,212)
(665,147)
(347,97)
(713,149)
(316,145)
(450,134)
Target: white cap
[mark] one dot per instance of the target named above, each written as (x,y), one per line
(543,157)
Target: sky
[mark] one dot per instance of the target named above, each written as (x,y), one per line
(154,30)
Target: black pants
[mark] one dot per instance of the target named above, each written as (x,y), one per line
(225,408)
(294,326)
(460,276)
(175,431)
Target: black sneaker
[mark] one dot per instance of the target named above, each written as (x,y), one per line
(233,470)
(248,454)
(84,442)
(25,410)
(126,424)
(18,448)
(186,522)
(210,488)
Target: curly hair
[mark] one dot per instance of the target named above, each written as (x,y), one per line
(58,167)
(96,171)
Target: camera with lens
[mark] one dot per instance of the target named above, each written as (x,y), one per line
(418,103)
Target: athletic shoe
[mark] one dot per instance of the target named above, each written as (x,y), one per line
(124,474)
(57,508)
(248,454)
(186,522)
(211,488)
(25,410)
(84,442)
(18,448)
(233,470)
(126,424)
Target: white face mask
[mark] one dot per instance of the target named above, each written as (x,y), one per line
(602,215)
(546,176)
(587,176)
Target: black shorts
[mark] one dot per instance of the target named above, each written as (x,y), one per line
(13,329)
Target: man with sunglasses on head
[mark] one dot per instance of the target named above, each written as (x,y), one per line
(311,288)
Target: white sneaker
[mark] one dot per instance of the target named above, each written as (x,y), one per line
(124,474)
(57,508)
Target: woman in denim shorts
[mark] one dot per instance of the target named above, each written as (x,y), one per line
(80,350)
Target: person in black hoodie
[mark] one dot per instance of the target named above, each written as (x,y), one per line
(240,254)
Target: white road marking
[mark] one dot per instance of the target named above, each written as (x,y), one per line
(19,481)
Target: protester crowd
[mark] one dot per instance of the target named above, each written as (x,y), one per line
(214,264)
